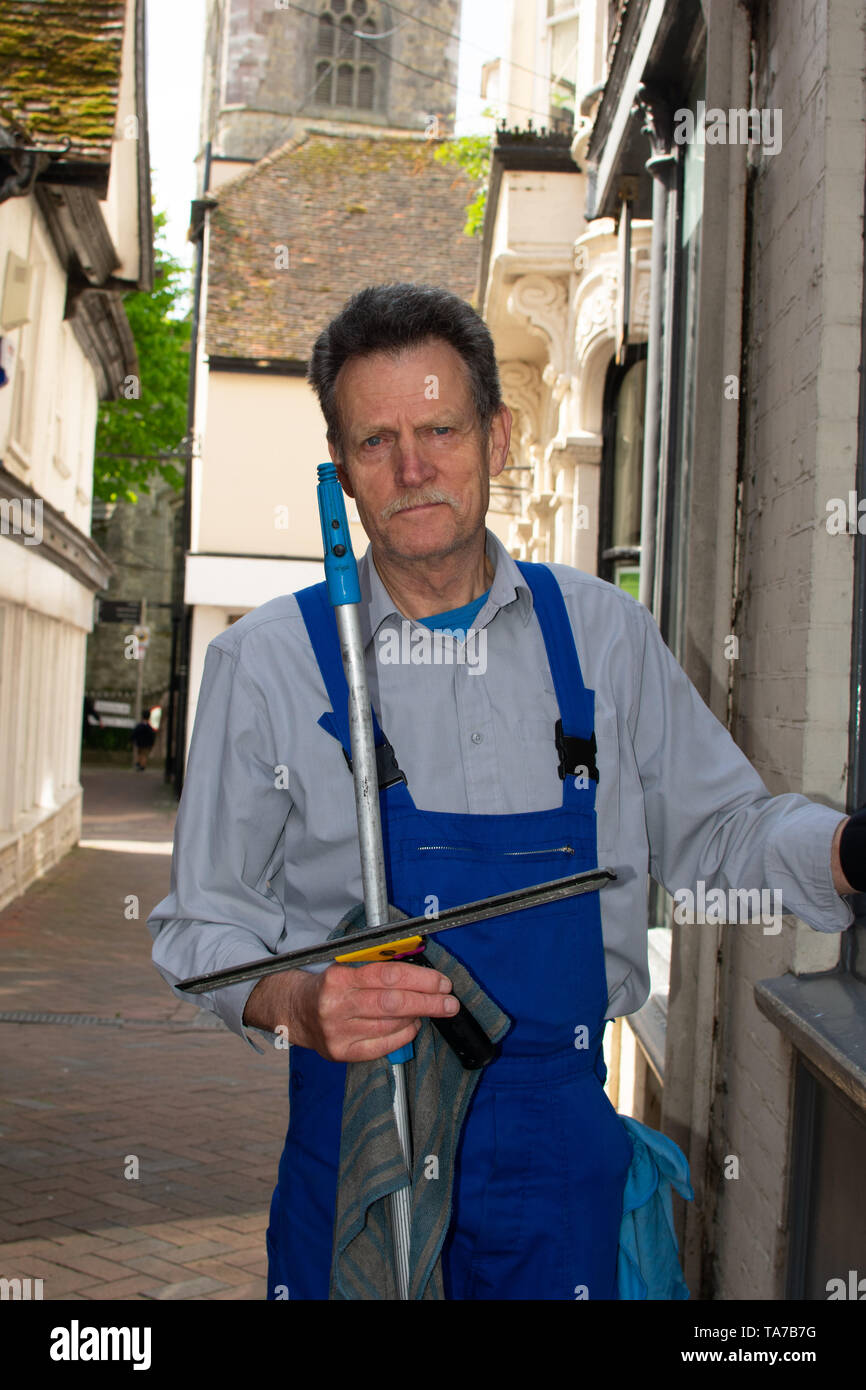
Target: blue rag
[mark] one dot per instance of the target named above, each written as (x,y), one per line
(648,1263)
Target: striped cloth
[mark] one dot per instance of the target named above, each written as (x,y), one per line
(439,1090)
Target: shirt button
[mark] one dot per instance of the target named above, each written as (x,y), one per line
(477,738)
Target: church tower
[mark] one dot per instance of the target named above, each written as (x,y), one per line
(273,68)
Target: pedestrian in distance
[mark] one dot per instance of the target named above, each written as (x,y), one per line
(143,739)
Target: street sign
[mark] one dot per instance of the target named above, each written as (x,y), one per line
(119,610)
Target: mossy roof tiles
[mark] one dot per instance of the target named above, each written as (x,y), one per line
(295,236)
(60,71)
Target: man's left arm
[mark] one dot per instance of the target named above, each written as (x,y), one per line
(710,818)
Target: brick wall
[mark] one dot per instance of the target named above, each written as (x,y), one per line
(791,682)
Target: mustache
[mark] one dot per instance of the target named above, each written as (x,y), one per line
(417,499)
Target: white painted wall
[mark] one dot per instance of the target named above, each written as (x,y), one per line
(264,437)
(48,407)
(48,412)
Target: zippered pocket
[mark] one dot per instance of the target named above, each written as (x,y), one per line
(486,852)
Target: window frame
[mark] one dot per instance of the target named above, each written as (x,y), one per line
(359,56)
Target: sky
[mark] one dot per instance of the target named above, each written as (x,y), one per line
(175,42)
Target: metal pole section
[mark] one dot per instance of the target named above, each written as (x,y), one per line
(364,769)
(399,1202)
(366,780)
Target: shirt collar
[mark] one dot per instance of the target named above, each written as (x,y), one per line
(508,587)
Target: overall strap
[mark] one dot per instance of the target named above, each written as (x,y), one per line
(318,614)
(575,729)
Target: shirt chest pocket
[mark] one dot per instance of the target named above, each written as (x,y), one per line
(607,797)
(540,768)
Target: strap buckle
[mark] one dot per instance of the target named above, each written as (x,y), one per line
(575,754)
(387,767)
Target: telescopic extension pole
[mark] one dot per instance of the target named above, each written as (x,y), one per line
(341,574)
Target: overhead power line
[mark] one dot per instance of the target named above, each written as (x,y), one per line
(455,34)
(528,110)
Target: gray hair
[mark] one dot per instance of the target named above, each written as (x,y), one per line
(390,319)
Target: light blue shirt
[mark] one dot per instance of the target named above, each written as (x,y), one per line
(266,854)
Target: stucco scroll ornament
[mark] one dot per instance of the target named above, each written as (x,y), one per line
(521,388)
(557,381)
(597,313)
(542,304)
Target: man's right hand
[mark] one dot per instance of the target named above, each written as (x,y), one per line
(351,1013)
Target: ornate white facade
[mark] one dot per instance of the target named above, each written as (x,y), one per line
(555,310)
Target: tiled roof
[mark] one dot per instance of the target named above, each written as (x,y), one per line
(348,212)
(60,71)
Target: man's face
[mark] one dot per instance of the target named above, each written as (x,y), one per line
(415,460)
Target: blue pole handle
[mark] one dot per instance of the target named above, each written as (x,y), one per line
(341,569)
(341,576)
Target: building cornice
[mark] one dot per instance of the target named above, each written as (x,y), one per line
(648,60)
(98,320)
(257,366)
(77,228)
(145,209)
(630,23)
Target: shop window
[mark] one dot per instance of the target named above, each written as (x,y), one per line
(827,1222)
(622,472)
(674,550)
(562,35)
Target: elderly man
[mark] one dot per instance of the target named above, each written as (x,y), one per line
(580,742)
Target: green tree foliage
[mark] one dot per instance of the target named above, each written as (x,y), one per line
(471,153)
(150,417)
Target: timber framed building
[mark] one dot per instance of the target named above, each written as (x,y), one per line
(75,233)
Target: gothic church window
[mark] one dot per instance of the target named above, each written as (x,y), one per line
(349,68)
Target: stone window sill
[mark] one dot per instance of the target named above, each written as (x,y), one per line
(824,1016)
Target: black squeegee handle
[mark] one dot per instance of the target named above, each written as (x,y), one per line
(462,1032)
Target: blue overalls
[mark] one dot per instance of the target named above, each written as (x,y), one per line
(543,1156)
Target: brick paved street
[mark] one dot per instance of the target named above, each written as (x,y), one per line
(137,1072)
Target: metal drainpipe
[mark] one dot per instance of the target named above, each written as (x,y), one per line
(181,617)
(853,944)
(662,165)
